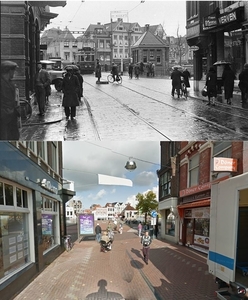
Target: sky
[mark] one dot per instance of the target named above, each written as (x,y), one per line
(78,15)
(83,161)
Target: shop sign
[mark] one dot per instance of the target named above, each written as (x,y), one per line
(227,18)
(86,224)
(194,48)
(225,164)
(201,213)
(200,196)
(195,189)
(210,22)
(45,184)
(188,213)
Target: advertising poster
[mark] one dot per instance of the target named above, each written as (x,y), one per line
(47,222)
(86,224)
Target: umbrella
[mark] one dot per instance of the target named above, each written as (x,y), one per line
(221,62)
(73,67)
(177,66)
(47,62)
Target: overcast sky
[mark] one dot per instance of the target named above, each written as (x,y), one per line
(78,15)
(84,160)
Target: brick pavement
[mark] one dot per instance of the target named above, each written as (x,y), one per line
(173,272)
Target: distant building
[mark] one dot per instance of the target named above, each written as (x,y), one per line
(60,43)
(150,48)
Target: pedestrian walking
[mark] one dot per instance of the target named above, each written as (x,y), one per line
(176,82)
(156,230)
(98,71)
(146,242)
(42,81)
(9,107)
(70,88)
(81,82)
(153,70)
(130,70)
(139,229)
(228,77)
(98,231)
(211,84)
(120,228)
(186,77)
(243,84)
(136,71)
(114,71)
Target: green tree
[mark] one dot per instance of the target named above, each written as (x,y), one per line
(146,203)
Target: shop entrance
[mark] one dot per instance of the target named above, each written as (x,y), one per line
(189,231)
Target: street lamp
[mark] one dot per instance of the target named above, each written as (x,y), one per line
(130,165)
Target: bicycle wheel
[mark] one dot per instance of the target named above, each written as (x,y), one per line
(26,109)
(120,80)
(110,78)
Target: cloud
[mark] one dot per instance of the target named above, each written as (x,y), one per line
(145,178)
(113,191)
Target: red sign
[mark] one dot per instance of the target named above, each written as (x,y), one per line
(225,164)
(195,189)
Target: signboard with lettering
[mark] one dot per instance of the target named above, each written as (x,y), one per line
(194,48)
(228,17)
(210,22)
(195,189)
(225,164)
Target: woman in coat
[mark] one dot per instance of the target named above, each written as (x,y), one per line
(228,77)
(243,84)
(70,88)
(211,84)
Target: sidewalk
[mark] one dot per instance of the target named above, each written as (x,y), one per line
(174,272)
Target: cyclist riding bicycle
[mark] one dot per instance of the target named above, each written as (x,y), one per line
(114,72)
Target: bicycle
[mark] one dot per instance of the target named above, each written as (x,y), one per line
(67,243)
(183,91)
(26,109)
(111,79)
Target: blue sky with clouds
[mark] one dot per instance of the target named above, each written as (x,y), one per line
(83,161)
(77,15)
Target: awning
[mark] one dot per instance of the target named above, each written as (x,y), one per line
(200,203)
(49,3)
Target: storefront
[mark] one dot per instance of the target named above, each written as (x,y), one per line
(30,220)
(194,213)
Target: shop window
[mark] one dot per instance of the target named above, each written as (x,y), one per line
(14,229)
(50,223)
(14,242)
(158,58)
(170,224)
(194,170)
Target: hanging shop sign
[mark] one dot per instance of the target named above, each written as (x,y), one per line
(225,164)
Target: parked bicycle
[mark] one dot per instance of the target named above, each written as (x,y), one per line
(183,90)
(67,242)
(111,79)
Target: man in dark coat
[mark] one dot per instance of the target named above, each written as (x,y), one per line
(98,71)
(228,77)
(70,88)
(243,84)
(98,231)
(176,81)
(9,108)
(130,70)
(81,81)
(211,84)
(42,81)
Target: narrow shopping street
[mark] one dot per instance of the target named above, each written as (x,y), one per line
(173,272)
(138,109)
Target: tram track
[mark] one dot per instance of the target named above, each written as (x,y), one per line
(176,106)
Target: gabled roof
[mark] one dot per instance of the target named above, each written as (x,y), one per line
(129,207)
(149,39)
(66,35)
(127,26)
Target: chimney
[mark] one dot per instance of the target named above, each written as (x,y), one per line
(98,23)
(147,27)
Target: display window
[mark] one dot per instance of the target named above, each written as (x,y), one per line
(170,223)
(197,222)
(50,223)
(15,224)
